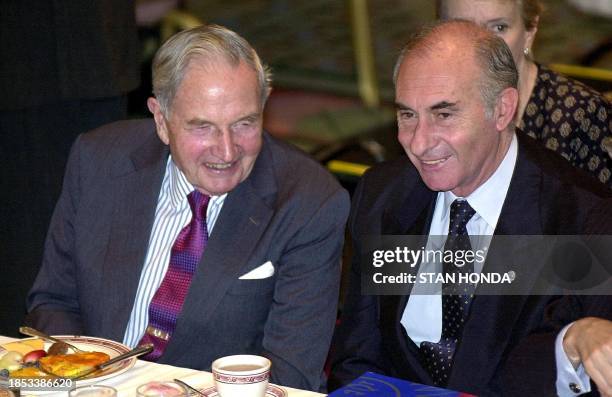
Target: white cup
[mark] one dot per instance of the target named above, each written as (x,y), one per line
(241,375)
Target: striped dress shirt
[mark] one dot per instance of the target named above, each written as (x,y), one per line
(171,216)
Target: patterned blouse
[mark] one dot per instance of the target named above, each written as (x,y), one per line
(571,119)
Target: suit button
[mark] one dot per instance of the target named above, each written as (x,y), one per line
(575,388)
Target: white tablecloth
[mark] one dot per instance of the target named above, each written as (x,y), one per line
(145,371)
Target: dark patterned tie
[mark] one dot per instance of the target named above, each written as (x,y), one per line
(437,358)
(184,258)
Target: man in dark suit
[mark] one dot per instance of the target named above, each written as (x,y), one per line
(467,174)
(267,280)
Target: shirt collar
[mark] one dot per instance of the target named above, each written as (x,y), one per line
(487,200)
(178,187)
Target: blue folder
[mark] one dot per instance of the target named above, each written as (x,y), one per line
(371,384)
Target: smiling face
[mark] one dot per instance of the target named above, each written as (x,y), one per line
(214,125)
(442,121)
(502,17)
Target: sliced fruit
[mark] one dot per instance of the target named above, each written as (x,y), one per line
(24,346)
(33,356)
(11,361)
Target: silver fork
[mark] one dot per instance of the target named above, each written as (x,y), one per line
(65,346)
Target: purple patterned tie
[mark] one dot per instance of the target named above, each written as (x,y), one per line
(184,258)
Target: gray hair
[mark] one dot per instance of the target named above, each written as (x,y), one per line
(210,42)
(492,55)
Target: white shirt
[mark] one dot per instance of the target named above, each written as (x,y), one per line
(422,317)
(171,216)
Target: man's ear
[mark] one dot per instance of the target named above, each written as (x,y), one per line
(160,119)
(505,108)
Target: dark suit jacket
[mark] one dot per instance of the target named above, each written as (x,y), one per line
(507,345)
(289,211)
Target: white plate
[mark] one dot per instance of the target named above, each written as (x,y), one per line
(271,391)
(110,347)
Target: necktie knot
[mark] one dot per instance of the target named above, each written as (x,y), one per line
(460,214)
(198,203)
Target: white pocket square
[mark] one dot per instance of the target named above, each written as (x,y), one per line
(264,271)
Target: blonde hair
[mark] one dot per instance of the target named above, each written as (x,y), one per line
(211,43)
(530,11)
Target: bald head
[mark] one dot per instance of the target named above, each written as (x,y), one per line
(463,41)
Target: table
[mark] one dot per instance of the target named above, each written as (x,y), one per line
(145,371)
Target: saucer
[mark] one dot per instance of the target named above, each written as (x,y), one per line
(271,391)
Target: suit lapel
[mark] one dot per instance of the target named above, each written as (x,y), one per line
(410,215)
(520,215)
(421,227)
(138,177)
(409,212)
(244,217)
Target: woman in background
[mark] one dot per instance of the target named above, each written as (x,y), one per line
(563,114)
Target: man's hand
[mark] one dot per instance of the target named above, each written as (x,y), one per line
(589,341)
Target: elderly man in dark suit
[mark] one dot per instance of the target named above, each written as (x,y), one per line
(198,233)
(467,174)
